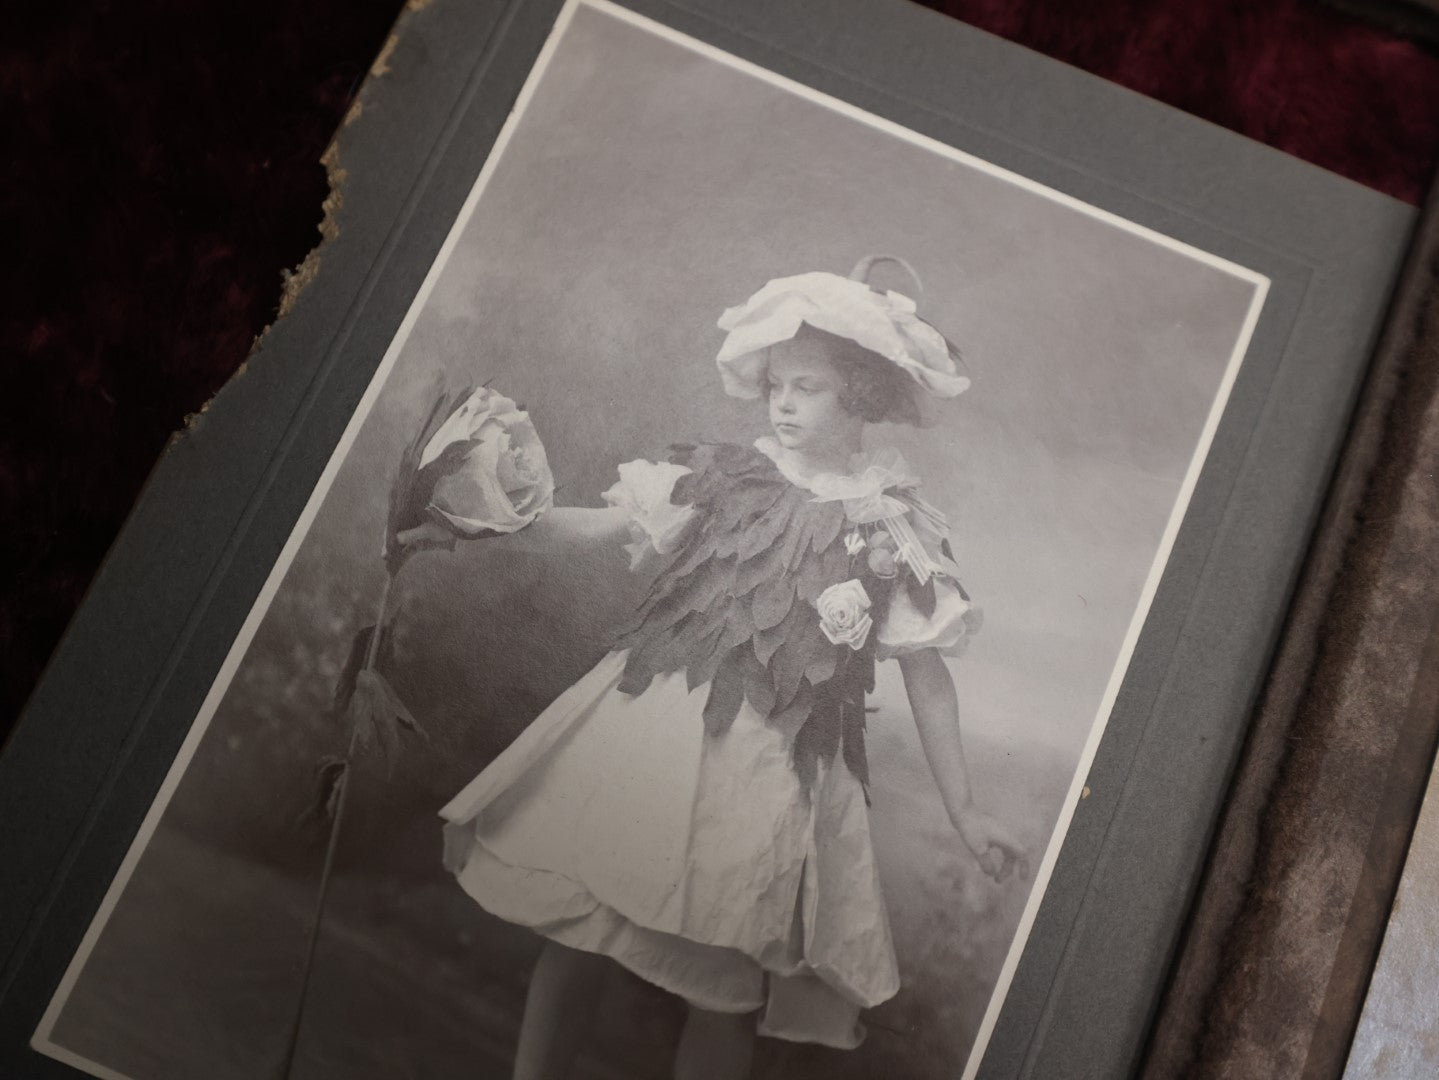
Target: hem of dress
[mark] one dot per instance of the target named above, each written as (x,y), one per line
(669,986)
(462,842)
(832,1044)
(557,931)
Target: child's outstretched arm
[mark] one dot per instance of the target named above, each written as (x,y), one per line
(935,704)
(556,528)
(578,525)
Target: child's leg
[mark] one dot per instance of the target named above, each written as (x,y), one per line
(564,993)
(715,1046)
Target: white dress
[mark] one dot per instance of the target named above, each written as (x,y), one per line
(614,824)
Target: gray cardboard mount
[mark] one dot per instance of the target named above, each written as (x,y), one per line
(94,744)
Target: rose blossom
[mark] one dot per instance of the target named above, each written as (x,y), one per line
(844,614)
(498,479)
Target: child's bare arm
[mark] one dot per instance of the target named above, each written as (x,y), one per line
(935,704)
(558,527)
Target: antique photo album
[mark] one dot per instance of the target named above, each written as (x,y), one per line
(751,565)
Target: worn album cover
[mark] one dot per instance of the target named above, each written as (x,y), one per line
(692,654)
(1394,1036)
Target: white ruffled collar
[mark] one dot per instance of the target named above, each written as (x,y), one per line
(861,489)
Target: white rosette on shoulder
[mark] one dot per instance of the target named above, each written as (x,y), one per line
(644,491)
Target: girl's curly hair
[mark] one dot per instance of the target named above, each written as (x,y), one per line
(875,389)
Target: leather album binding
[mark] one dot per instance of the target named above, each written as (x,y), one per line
(1307,857)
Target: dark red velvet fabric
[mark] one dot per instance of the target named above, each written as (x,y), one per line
(160,168)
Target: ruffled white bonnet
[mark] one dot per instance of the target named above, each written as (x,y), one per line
(881,321)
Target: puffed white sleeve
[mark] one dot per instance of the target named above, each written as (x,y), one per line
(657,525)
(955,618)
(905,629)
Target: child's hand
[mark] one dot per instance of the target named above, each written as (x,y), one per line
(999,851)
(426,536)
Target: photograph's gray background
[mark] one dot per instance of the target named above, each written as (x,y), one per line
(646,188)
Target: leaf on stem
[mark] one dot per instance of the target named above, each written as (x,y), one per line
(329,779)
(359,649)
(345,685)
(378,716)
(403,492)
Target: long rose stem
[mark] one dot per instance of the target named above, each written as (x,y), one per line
(287,1065)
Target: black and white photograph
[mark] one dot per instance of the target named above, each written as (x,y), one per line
(693,653)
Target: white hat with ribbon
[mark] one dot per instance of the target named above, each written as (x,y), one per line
(881,321)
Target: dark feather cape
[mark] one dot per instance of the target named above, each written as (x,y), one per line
(734,607)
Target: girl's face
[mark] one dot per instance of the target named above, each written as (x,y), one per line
(805,390)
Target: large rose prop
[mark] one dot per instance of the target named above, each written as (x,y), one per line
(494,477)
(477,468)
(474,468)
(844,614)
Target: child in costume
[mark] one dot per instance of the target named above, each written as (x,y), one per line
(695,807)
